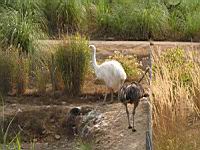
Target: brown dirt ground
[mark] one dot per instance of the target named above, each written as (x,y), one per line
(51,112)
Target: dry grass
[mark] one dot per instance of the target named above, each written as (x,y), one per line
(176,104)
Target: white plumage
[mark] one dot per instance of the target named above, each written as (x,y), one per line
(111,72)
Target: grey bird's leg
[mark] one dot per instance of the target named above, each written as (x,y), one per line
(129,125)
(118,96)
(134,108)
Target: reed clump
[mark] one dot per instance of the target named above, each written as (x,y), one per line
(175,99)
(72,60)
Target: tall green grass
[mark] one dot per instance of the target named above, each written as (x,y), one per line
(64,16)
(72,61)
(22,24)
(99,19)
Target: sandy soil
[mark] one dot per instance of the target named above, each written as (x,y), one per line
(115,135)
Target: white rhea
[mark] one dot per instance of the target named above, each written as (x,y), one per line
(111,72)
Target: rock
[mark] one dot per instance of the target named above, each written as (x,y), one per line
(51,120)
(75,111)
(34,140)
(57,94)
(19,110)
(48,106)
(91,124)
(63,103)
(13,105)
(85,110)
(57,137)
(44,132)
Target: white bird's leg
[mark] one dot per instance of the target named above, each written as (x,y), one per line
(104,101)
(111,91)
(134,108)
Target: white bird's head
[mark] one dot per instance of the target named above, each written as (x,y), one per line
(92,47)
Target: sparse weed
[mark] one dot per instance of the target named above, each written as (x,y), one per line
(84,145)
(6,141)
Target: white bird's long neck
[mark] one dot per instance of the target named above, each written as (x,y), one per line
(94,62)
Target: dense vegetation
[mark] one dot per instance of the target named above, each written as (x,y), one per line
(176,106)
(64,68)
(23,22)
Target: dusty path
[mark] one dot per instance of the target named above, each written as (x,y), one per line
(139,48)
(119,136)
(116,134)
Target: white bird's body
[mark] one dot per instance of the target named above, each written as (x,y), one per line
(111,72)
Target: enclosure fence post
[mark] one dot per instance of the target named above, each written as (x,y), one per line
(149,141)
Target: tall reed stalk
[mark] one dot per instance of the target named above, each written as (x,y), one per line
(175,99)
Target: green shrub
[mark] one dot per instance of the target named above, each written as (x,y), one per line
(72,60)
(65,16)
(176,59)
(129,63)
(39,64)
(13,72)
(22,24)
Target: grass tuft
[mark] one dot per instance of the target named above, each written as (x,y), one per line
(72,59)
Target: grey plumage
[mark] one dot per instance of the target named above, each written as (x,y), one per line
(132,93)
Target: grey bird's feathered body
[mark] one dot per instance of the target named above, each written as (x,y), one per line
(132,93)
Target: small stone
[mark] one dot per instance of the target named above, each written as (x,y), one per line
(34,140)
(63,103)
(51,120)
(57,137)
(19,110)
(14,105)
(57,94)
(98,141)
(44,132)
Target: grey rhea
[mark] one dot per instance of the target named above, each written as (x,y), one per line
(132,93)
